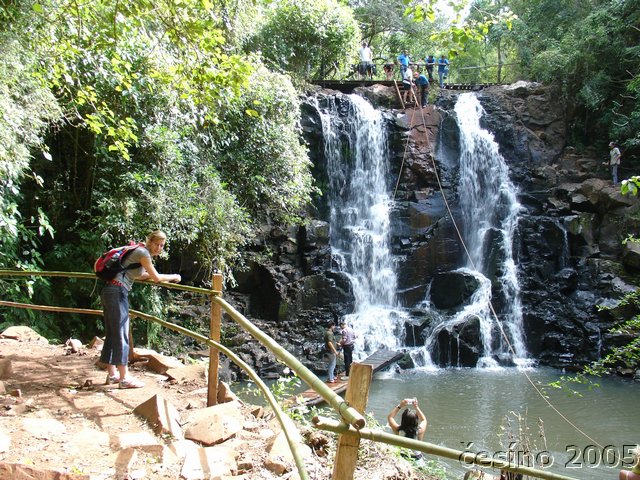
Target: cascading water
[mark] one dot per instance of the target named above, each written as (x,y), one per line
(489,206)
(356,152)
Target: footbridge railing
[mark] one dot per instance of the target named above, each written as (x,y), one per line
(351,428)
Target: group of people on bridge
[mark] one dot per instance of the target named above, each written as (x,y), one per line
(366,66)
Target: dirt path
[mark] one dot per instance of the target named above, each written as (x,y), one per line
(59,421)
(57,413)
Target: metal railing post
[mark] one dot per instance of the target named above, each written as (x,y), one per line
(214,334)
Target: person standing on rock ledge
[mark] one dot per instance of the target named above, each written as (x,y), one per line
(347,343)
(614,161)
(115,305)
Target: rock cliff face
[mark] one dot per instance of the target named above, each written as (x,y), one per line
(568,244)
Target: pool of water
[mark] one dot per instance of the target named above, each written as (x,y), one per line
(468,409)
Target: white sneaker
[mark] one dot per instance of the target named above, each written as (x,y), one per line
(344,378)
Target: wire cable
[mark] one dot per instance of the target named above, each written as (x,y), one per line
(491,308)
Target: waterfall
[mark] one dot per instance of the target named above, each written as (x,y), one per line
(357,157)
(490,209)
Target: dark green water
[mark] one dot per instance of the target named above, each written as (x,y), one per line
(467,409)
(470,405)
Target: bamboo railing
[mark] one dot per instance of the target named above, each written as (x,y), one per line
(352,428)
(280,415)
(330,425)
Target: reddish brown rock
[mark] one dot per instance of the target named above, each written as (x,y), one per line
(215,424)
(161,363)
(209,463)
(6,368)
(161,415)
(225,394)
(23,334)
(20,471)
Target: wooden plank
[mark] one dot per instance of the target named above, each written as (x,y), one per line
(357,396)
(347,86)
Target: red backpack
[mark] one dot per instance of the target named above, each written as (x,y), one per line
(110,263)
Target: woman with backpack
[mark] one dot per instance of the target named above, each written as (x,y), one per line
(137,265)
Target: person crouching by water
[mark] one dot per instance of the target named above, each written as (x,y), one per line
(634,473)
(413,423)
(115,305)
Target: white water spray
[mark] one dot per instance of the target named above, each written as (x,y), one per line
(490,209)
(356,151)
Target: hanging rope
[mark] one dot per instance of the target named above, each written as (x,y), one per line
(491,308)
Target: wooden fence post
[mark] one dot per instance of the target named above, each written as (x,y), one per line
(357,395)
(214,334)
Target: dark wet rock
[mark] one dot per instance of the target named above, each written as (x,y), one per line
(459,346)
(631,255)
(452,289)
(568,241)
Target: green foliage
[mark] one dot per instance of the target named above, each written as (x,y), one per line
(283,389)
(590,49)
(431,468)
(26,108)
(392,27)
(630,186)
(309,39)
(163,126)
(263,161)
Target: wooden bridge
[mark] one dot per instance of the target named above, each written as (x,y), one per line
(378,360)
(348,86)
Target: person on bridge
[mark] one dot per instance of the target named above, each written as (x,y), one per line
(403,60)
(413,423)
(331,350)
(634,473)
(347,342)
(366,56)
(407,84)
(115,305)
(443,69)
(430,62)
(423,88)
(388,70)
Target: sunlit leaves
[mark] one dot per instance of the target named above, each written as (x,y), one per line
(630,186)
(309,39)
(421,12)
(26,108)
